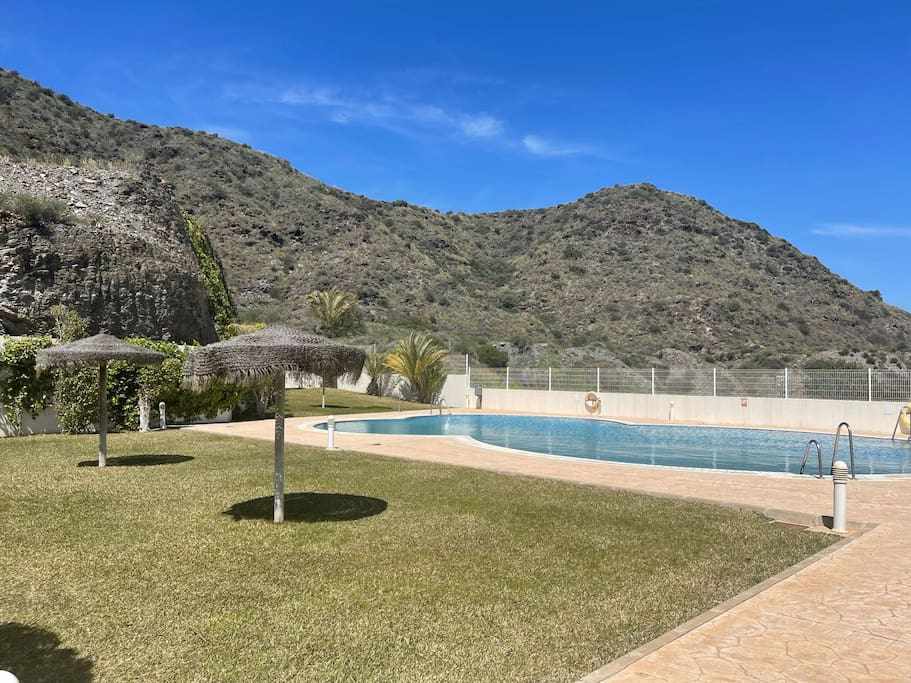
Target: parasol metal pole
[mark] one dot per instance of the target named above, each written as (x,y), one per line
(279,477)
(102,414)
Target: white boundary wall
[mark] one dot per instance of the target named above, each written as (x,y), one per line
(873,417)
(45,423)
(453,394)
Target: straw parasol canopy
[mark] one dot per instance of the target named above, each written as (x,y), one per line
(97,351)
(272,352)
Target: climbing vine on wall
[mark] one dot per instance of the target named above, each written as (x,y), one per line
(213,277)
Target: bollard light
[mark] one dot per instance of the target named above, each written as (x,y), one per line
(840,496)
(161,414)
(330,425)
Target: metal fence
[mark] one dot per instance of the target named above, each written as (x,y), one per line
(853,385)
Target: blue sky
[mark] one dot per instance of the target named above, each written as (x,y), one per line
(793,115)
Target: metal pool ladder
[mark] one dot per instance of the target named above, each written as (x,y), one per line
(806,454)
(850,446)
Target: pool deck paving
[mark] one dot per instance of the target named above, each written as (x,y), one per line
(844,617)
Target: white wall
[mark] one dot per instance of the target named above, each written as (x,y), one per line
(453,394)
(45,423)
(876,417)
(313,382)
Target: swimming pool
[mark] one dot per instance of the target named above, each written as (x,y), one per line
(718,448)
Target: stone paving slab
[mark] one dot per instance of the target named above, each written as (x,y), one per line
(846,617)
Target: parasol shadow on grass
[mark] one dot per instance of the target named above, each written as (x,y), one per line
(35,654)
(270,353)
(97,351)
(311,507)
(140,460)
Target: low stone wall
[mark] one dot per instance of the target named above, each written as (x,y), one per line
(46,422)
(871,417)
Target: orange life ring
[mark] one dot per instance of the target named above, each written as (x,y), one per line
(592,403)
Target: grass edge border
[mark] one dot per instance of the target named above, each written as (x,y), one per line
(615,666)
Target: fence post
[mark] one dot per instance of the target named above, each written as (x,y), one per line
(507,378)
(598,381)
(467,374)
(653,381)
(715,382)
(869,384)
(787,381)
(549,378)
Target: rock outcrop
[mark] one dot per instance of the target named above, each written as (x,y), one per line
(110,243)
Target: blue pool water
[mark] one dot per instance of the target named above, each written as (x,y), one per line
(678,446)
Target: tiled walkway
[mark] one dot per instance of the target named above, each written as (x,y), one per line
(846,617)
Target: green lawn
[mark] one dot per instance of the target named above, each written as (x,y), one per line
(303,402)
(390,570)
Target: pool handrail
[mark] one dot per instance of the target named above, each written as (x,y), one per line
(806,454)
(850,446)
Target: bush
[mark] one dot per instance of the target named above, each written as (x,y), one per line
(22,390)
(76,392)
(491,356)
(76,401)
(37,212)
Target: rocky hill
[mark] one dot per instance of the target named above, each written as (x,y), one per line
(107,242)
(633,273)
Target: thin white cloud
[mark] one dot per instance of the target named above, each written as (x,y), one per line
(547,148)
(392,112)
(398,111)
(482,126)
(855,230)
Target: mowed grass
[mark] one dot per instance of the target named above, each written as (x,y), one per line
(390,570)
(304,402)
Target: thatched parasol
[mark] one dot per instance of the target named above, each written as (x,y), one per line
(97,351)
(272,352)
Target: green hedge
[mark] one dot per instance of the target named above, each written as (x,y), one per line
(74,392)
(126,383)
(22,390)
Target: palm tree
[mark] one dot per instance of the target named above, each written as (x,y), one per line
(336,311)
(382,381)
(421,361)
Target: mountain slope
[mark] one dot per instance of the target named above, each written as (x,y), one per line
(625,271)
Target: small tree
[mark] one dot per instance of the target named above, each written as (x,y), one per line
(421,361)
(337,311)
